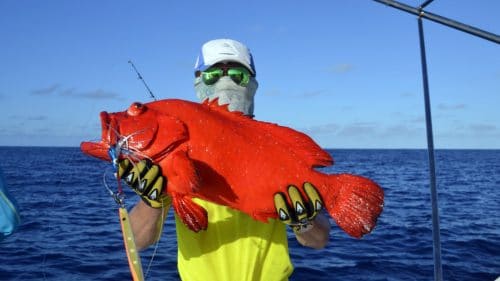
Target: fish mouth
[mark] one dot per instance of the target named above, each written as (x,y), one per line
(128,130)
(95,149)
(108,138)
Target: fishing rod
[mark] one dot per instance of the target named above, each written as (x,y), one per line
(142,79)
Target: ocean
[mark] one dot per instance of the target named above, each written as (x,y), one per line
(70,228)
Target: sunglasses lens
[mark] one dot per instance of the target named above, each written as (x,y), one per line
(239,75)
(211,76)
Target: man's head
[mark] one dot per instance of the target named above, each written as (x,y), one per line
(225,70)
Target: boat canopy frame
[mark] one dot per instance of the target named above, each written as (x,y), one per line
(420,13)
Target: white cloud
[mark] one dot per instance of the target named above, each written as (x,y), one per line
(74,93)
(330,128)
(342,68)
(459,106)
(47,90)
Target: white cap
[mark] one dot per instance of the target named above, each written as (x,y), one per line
(224,50)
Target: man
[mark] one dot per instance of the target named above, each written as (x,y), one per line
(234,246)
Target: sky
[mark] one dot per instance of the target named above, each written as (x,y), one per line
(347,73)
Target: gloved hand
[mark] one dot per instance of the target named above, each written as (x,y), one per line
(302,212)
(146,179)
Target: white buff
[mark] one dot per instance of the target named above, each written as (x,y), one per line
(239,98)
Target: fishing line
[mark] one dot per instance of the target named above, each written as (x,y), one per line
(50,227)
(131,153)
(63,163)
(157,244)
(122,148)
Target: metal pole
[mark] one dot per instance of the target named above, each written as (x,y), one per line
(442,20)
(425,4)
(438,273)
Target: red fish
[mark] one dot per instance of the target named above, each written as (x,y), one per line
(224,157)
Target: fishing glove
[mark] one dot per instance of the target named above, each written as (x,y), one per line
(299,212)
(146,180)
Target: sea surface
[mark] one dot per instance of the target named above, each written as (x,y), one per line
(70,228)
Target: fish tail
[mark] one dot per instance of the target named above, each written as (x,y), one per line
(356,203)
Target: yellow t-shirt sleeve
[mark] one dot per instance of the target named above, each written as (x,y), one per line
(234,247)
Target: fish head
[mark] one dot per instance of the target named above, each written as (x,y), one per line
(141,130)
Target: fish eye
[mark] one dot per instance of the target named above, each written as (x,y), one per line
(135,109)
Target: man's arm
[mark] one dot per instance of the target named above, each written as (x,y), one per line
(147,224)
(315,236)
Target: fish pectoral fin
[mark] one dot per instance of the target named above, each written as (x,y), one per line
(182,180)
(181,173)
(171,132)
(191,214)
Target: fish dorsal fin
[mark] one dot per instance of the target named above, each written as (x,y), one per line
(224,108)
(300,143)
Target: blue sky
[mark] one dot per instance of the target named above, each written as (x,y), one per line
(345,72)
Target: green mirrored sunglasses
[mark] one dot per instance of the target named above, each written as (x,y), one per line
(239,74)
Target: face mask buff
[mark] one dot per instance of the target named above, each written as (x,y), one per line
(238,97)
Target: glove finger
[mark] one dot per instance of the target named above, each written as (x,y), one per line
(297,203)
(282,208)
(164,201)
(314,200)
(151,183)
(124,167)
(135,174)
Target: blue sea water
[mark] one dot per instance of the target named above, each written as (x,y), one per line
(70,228)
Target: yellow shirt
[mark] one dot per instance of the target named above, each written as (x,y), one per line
(234,247)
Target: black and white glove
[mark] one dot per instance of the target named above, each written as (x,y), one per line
(300,214)
(146,179)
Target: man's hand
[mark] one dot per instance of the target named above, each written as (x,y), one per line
(146,180)
(302,211)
